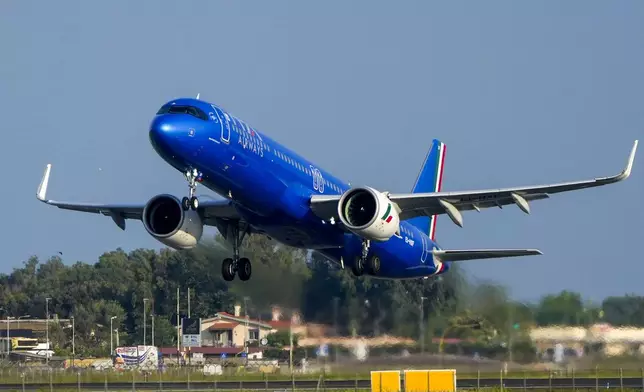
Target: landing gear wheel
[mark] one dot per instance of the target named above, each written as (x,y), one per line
(194,203)
(374,265)
(358,267)
(228,269)
(236,265)
(192,176)
(185,204)
(244,269)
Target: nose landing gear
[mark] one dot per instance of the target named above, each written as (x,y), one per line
(193,176)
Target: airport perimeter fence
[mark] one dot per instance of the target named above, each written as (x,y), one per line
(29,378)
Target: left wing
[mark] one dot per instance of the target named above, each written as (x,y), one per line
(211,209)
(411,205)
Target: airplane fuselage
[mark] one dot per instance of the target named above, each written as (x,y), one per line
(271,186)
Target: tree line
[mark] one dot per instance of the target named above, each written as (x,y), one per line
(295,280)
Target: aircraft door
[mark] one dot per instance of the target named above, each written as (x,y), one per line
(423,256)
(224,120)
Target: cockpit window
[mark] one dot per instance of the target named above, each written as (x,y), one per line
(183,109)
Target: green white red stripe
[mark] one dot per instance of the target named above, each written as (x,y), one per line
(442,149)
(387,215)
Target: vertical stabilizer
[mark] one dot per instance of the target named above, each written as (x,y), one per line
(430,179)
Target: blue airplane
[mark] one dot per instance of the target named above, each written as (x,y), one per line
(270,190)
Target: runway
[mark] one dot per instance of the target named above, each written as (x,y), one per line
(467,383)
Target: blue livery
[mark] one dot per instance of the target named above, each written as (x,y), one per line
(270,190)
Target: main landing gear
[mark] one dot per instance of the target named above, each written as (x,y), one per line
(364,263)
(238,265)
(193,176)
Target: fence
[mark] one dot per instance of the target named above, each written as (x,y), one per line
(31,378)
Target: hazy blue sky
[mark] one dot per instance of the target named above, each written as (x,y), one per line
(521,92)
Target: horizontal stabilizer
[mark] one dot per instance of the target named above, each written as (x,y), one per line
(480,254)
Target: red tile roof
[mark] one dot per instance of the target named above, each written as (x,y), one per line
(241,319)
(224,325)
(210,350)
(280,324)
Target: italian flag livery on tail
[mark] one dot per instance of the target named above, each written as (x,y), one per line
(430,179)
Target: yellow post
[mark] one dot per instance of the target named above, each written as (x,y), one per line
(385,381)
(443,380)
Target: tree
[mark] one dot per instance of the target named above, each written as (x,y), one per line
(626,310)
(565,308)
(118,282)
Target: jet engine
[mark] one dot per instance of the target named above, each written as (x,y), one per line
(165,220)
(369,214)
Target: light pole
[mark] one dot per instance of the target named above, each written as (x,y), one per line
(335,325)
(152,316)
(145,320)
(112,336)
(22,317)
(422,325)
(47,315)
(247,333)
(8,345)
(73,340)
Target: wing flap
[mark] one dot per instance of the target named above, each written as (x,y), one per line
(482,254)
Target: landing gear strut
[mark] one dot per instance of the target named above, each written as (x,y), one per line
(360,262)
(192,176)
(241,266)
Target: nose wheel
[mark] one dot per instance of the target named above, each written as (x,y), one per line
(193,176)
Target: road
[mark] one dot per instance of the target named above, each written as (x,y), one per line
(469,383)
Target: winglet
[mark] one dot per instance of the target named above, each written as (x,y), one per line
(42,188)
(629,165)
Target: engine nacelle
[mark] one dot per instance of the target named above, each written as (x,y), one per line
(369,213)
(164,218)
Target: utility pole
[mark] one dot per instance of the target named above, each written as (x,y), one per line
(178,331)
(189,314)
(47,322)
(145,321)
(112,336)
(510,331)
(422,325)
(73,340)
(8,345)
(246,334)
(335,325)
(290,338)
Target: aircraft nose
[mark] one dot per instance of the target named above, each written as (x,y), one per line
(162,132)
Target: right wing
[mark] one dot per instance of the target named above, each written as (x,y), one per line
(212,210)
(411,205)
(480,254)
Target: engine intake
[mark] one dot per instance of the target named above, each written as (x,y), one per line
(165,220)
(369,214)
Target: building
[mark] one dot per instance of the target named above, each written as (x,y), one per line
(30,328)
(233,330)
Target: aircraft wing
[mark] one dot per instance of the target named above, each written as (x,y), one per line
(480,254)
(411,205)
(211,209)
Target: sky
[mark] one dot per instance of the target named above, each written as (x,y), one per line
(521,93)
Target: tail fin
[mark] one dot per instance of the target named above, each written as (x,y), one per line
(430,179)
